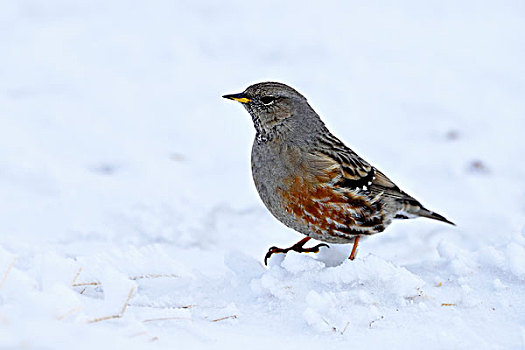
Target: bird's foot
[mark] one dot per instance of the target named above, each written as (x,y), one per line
(297,247)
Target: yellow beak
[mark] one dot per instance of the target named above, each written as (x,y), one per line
(238,97)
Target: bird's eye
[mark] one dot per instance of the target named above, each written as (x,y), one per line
(267,99)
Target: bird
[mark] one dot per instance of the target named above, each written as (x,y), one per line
(311,181)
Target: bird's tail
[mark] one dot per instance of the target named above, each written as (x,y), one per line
(412,208)
(431,215)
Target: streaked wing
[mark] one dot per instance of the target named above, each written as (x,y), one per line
(349,171)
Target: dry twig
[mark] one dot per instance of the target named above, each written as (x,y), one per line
(86,284)
(69,313)
(76,276)
(224,318)
(122,311)
(7,272)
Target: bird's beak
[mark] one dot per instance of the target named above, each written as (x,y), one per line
(238,97)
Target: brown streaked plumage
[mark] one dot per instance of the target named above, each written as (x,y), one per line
(309,180)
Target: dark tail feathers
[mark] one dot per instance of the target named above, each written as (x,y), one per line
(431,215)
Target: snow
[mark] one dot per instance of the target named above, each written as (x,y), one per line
(129,217)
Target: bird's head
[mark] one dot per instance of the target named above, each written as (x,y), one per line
(271,104)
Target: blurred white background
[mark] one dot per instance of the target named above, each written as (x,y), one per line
(117,150)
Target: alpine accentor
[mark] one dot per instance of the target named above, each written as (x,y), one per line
(310,181)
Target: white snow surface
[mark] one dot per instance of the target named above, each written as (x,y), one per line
(128,214)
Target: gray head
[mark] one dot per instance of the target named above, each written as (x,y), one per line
(272,104)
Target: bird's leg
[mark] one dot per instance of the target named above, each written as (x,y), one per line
(354,249)
(297,247)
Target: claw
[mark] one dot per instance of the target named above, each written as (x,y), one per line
(316,248)
(298,247)
(266,257)
(272,251)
